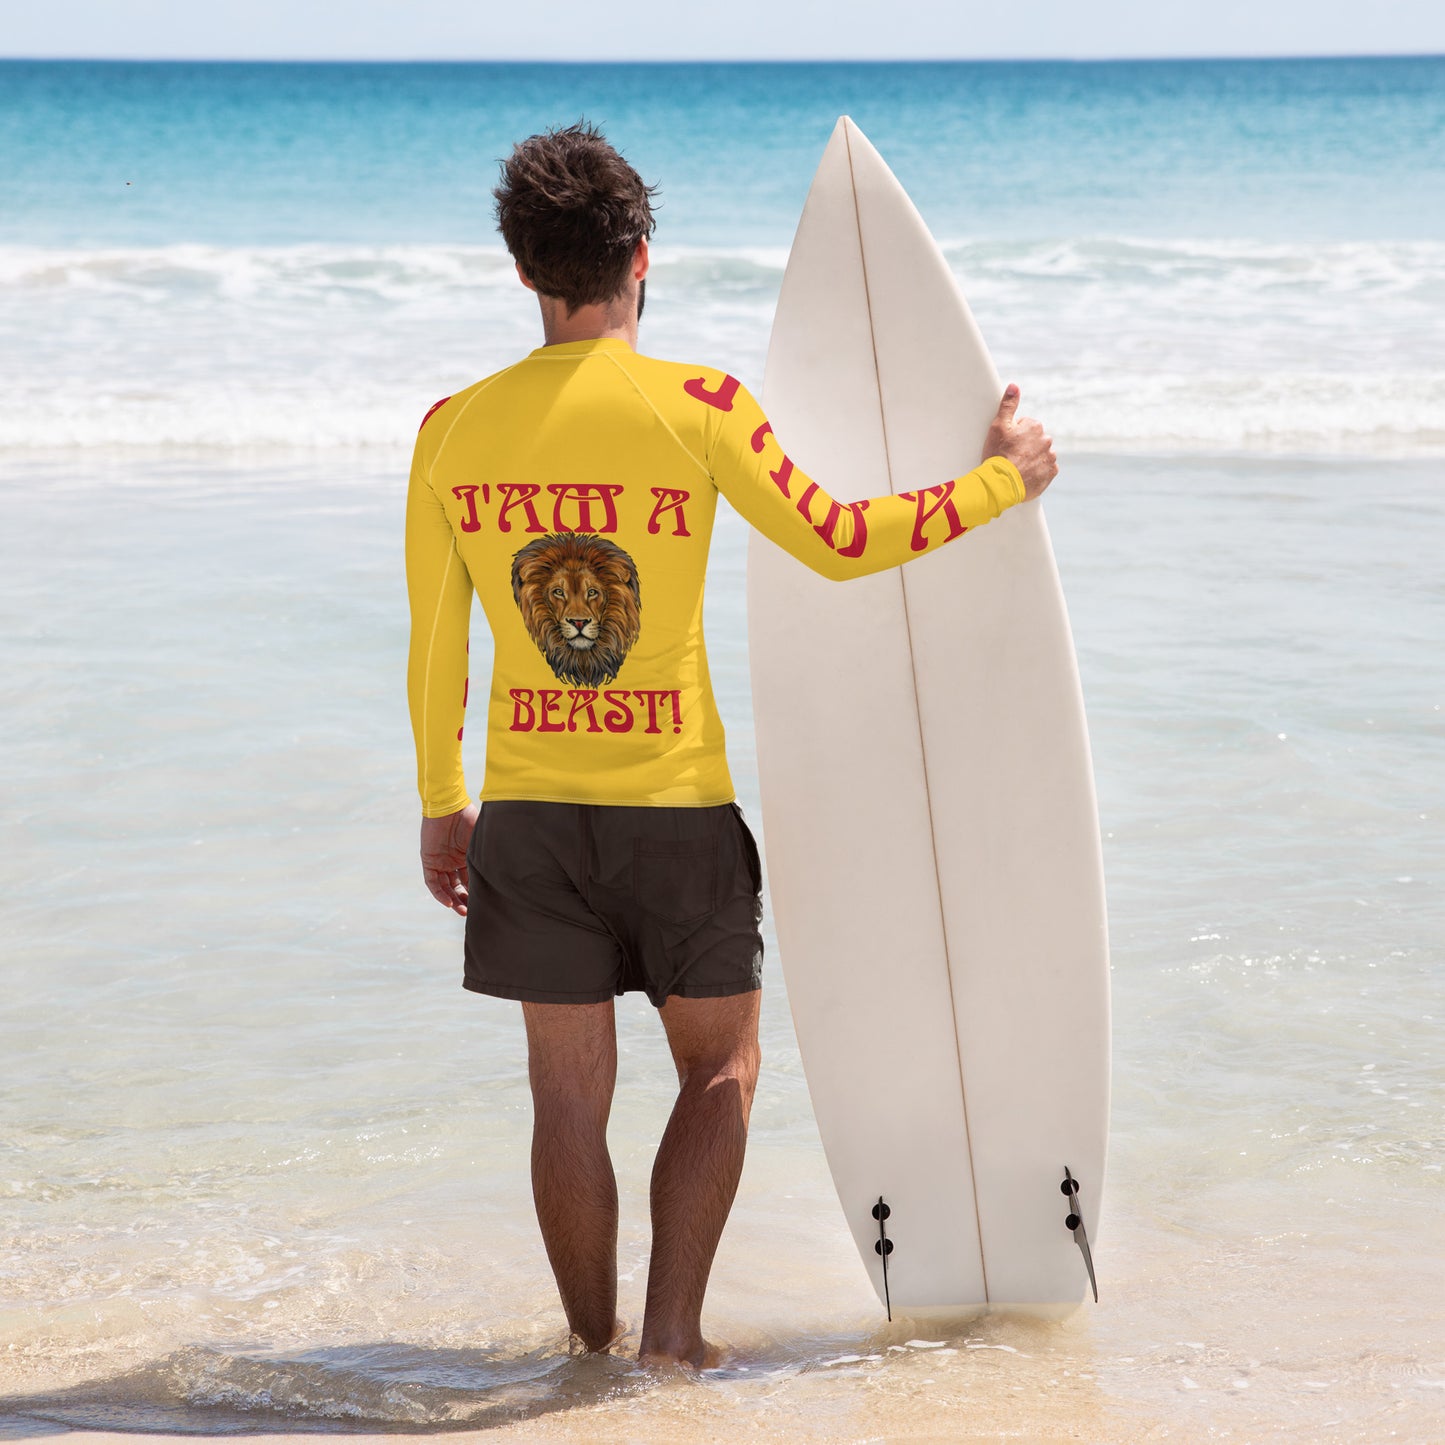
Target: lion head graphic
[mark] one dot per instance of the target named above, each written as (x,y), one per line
(581,603)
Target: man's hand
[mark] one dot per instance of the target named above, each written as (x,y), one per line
(444,856)
(1022,441)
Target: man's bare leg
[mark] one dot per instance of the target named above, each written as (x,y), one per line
(714,1044)
(572,1063)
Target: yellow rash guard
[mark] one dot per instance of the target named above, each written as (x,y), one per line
(575,492)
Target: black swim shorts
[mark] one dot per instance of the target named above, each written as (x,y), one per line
(578,902)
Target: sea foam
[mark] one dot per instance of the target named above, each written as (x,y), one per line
(1125,344)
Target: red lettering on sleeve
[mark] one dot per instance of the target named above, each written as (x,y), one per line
(586,495)
(827,530)
(468,496)
(619,720)
(432,410)
(582,700)
(668,499)
(943,494)
(784,469)
(524,715)
(518,494)
(722,398)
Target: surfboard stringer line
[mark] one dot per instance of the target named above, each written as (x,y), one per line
(922,748)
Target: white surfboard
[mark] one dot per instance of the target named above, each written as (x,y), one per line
(928,800)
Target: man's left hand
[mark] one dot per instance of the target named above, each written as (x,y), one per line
(444,843)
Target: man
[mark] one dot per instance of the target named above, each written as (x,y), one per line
(574,492)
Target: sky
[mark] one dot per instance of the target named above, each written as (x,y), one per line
(699,30)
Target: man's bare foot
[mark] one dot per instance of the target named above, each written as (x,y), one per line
(578,1346)
(703,1356)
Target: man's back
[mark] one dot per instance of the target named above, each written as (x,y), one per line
(581,513)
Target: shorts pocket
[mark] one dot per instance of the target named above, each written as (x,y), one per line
(675,881)
(750,850)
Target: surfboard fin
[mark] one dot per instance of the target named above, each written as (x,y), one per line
(1075,1223)
(884,1247)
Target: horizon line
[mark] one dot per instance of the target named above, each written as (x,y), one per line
(713,60)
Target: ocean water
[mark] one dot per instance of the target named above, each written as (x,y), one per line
(264,1164)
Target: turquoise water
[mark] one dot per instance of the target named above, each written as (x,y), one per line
(264,1164)
(282,154)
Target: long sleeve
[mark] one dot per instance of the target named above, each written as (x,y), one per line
(440,592)
(839,540)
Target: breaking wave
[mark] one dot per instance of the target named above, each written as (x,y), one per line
(1127,344)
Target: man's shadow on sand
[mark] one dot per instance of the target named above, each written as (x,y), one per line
(375,1388)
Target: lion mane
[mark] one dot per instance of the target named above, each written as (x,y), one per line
(581,603)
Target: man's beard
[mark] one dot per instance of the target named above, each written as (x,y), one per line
(641,296)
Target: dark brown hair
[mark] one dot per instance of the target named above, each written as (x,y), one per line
(572,211)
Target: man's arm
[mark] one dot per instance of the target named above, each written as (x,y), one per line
(439,589)
(843,540)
